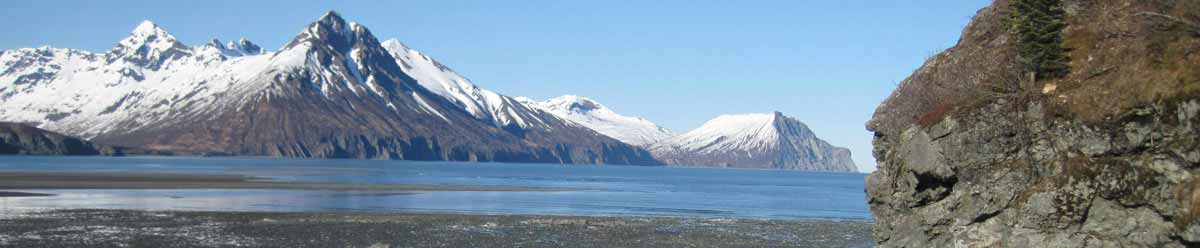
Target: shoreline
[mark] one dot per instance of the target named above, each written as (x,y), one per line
(57,228)
(241,157)
(130,180)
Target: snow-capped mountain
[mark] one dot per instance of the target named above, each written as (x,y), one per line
(147,78)
(771,141)
(592,114)
(501,110)
(333,91)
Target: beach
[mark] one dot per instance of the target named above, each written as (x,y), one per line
(125,228)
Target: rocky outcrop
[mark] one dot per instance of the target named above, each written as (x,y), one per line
(21,139)
(971,155)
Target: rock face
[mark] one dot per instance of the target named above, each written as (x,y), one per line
(971,155)
(21,139)
(334,91)
(761,141)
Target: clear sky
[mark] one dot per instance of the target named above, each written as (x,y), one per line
(675,62)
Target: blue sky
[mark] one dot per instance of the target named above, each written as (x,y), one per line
(675,62)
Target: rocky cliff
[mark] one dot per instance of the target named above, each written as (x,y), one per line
(972,154)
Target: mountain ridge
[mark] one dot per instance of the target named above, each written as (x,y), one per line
(768,141)
(589,113)
(486,105)
(332,92)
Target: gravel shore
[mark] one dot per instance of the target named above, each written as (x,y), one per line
(122,228)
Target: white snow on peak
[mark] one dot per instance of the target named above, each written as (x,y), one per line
(743,132)
(441,80)
(150,46)
(148,33)
(147,27)
(591,114)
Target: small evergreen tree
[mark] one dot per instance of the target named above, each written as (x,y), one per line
(1038,25)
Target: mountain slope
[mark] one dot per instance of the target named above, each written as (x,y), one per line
(500,110)
(591,114)
(332,92)
(769,141)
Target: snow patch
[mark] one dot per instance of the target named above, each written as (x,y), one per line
(428,109)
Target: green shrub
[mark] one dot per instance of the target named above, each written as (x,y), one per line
(1038,25)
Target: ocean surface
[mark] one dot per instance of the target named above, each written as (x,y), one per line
(600,190)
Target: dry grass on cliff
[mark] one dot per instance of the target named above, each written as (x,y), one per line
(939,111)
(1130,53)
(980,68)
(1125,54)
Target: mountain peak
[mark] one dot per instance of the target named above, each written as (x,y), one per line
(148,45)
(216,43)
(575,103)
(147,32)
(761,140)
(350,52)
(333,22)
(245,47)
(733,132)
(331,17)
(242,47)
(147,27)
(332,30)
(747,118)
(250,47)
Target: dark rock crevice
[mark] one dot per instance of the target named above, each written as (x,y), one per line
(934,187)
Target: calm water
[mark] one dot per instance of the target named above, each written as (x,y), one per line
(602,190)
